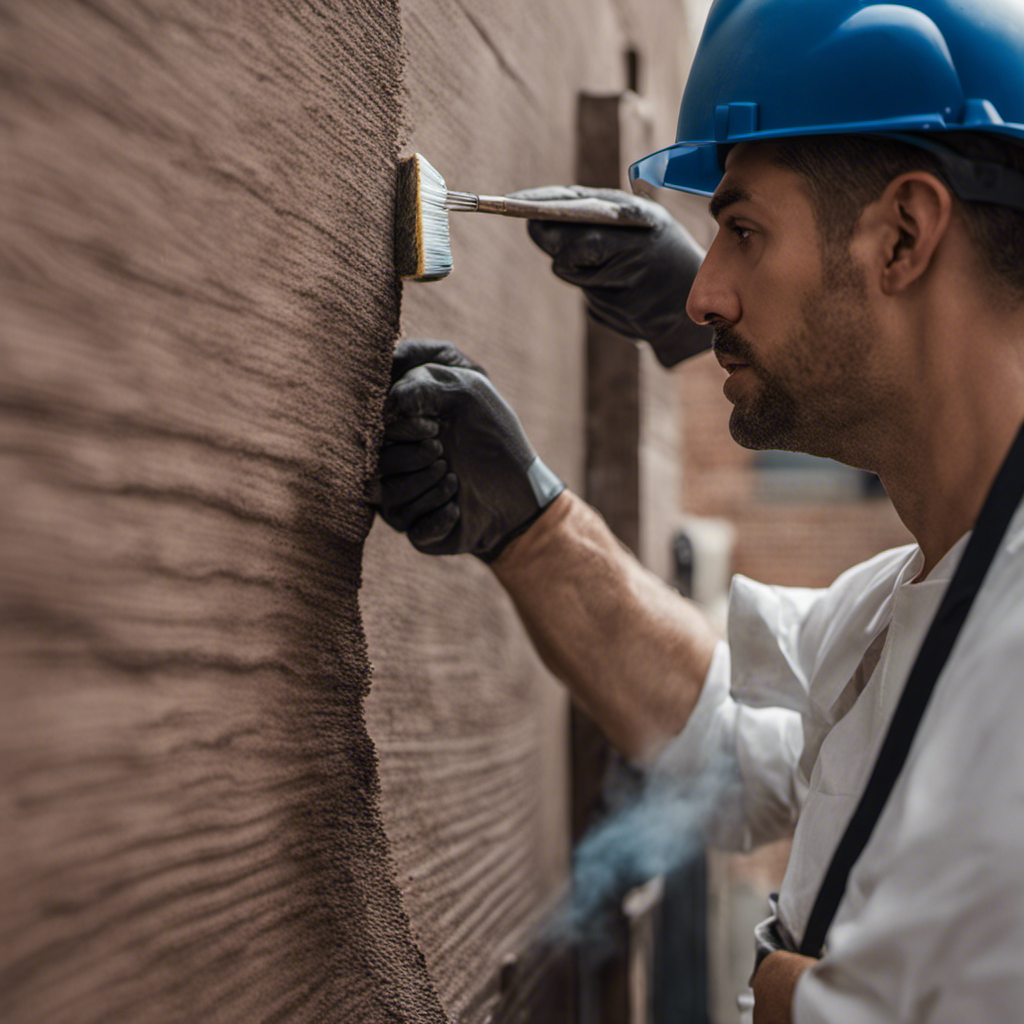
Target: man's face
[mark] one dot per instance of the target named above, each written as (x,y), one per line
(793,322)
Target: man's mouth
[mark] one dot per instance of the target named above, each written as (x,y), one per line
(729,346)
(731,365)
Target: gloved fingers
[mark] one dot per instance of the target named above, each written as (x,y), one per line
(403,516)
(613,299)
(675,343)
(590,249)
(553,236)
(430,391)
(414,398)
(407,457)
(684,340)
(546,234)
(409,428)
(579,250)
(413,352)
(434,526)
(585,245)
(563,193)
(627,327)
(547,193)
(401,488)
(419,394)
(373,492)
(618,264)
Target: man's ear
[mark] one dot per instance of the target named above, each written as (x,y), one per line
(914,213)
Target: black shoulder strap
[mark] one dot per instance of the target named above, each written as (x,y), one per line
(1001,503)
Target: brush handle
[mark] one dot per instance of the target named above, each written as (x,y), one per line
(579,211)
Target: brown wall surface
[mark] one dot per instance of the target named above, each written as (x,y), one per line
(198,313)
(469,728)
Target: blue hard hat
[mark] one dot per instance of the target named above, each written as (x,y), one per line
(767,69)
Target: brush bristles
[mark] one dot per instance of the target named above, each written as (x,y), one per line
(435,240)
(423,250)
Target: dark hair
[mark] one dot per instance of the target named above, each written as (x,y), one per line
(844,173)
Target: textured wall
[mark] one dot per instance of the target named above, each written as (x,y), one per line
(199,307)
(198,312)
(469,729)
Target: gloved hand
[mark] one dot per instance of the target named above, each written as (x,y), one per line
(412,352)
(456,470)
(636,280)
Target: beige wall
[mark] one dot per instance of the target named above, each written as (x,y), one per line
(469,728)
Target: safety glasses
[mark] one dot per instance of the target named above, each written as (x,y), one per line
(681,166)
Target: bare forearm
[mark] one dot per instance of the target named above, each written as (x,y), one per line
(775,985)
(631,650)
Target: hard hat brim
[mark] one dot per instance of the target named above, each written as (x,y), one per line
(698,167)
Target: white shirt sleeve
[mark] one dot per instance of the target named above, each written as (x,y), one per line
(752,751)
(756,713)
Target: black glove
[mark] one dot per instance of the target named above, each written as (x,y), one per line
(413,352)
(636,280)
(456,470)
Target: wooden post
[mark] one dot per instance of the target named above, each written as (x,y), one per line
(633,478)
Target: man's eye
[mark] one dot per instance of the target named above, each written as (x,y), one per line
(743,234)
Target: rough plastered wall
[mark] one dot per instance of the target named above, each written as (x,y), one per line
(198,313)
(469,729)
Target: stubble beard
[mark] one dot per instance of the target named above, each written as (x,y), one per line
(817,389)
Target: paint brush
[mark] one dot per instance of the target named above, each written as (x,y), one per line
(423,250)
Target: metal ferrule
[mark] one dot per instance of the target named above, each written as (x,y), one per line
(462,201)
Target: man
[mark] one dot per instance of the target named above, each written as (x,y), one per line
(866,293)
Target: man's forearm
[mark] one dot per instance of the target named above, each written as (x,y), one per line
(775,985)
(631,650)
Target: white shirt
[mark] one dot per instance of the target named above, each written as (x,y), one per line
(931,928)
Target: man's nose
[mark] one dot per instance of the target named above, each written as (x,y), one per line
(710,296)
